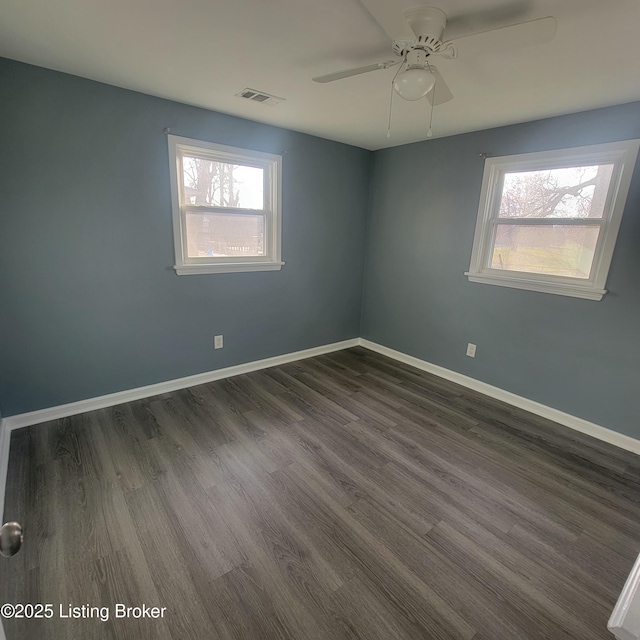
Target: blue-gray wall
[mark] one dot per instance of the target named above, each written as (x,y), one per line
(579,356)
(89,302)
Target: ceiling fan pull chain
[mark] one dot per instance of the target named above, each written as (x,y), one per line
(390,107)
(433,99)
(391,99)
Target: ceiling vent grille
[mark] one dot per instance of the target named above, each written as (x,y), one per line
(259,96)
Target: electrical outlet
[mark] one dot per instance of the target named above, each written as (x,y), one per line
(471,350)
(218,342)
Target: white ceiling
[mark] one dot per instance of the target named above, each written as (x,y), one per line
(202,52)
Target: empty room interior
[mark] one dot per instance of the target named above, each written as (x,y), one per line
(320,320)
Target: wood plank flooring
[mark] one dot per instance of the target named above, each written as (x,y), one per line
(342,497)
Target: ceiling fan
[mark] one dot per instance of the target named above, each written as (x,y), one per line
(419,34)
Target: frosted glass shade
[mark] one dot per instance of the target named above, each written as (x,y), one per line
(413,84)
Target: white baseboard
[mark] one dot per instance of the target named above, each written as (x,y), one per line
(34,417)
(91,404)
(566,419)
(10,423)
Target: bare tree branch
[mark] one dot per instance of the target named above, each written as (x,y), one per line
(538,195)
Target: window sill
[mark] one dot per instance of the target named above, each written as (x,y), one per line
(238,267)
(557,288)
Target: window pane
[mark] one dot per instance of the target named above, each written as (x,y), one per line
(572,192)
(215,235)
(559,250)
(219,184)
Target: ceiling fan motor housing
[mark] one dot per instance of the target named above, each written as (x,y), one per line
(426,21)
(416,59)
(428,24)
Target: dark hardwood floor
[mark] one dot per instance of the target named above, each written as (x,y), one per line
(344,496)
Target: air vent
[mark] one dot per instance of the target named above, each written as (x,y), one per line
(259,96)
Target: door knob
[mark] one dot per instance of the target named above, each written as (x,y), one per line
(10,539)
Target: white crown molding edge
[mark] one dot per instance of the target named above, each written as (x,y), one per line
(577,424)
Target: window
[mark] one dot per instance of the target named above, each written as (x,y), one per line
(226,207)
(548,221)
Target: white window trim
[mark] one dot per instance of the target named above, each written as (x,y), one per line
(272,165)
(621,154)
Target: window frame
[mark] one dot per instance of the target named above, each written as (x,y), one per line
(272,166)
(621,154)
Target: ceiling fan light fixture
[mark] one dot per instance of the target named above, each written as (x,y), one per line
(414,83)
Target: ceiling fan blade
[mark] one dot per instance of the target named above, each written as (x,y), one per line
(389,16)
(347,73)
(440,92)
(514,36)
(481,19)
